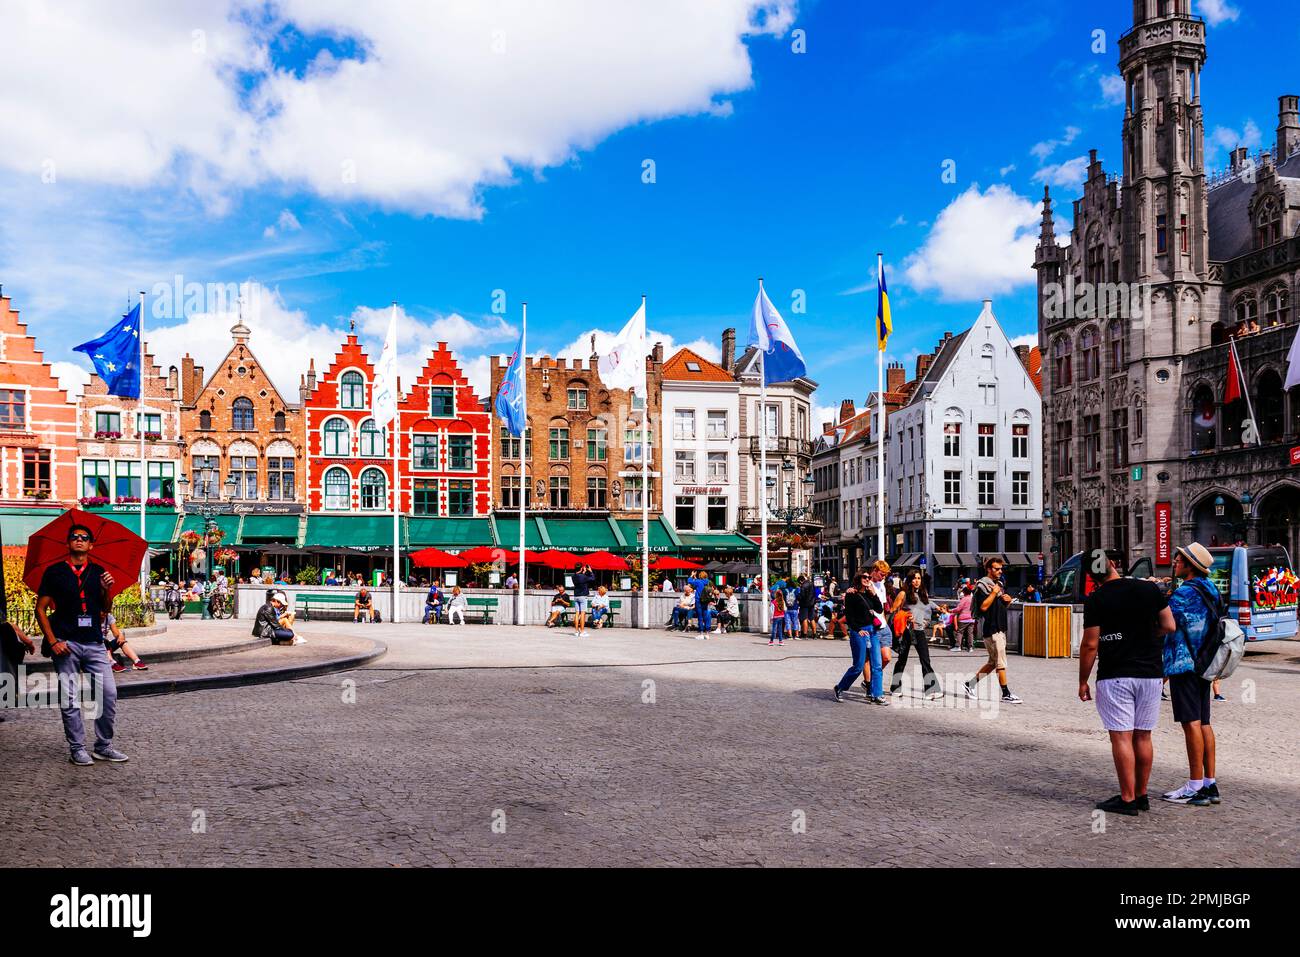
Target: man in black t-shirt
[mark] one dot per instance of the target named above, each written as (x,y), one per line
(1124,624)
(70,606)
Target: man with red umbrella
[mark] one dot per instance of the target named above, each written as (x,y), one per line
(72,597)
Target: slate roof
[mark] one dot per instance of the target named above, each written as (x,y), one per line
(1229,221)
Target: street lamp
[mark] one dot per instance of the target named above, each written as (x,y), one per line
(207,509)
(1219,506)
(790,513)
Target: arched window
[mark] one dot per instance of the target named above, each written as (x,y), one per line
(241,415)
(1090,355)
(337,437)
(338,490)
(373,489)
(986,358)
(372,439)
(1204,419)
(1275,306)
(1118,347)
(205,420)
(1062,363)
(1268,224)
(279,422)
(1268,406)
(352,390)
(1246,312)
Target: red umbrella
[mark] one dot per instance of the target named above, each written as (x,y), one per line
(605,562)
(670,564)
(436,558)
(484,553)
(530,556)
(554,558)
(118,550)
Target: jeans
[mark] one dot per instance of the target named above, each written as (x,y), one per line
(864,644)
(909,638)
(701,612)
(87,659)
(681,616)
(598,613)
(792,622)
(283,636)
(430,614)
(778,628)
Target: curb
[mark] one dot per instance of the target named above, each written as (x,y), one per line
(140,689)
(248,644)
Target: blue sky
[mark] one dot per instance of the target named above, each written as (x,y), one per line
(518,166)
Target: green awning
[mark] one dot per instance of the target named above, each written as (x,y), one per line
(422,532)
(717,543)
(19,524)
(349,531)
(282,529)
(661,536)
(581,534)
(227,523)
(160,529)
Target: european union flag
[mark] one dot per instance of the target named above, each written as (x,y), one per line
(510,394)
(782,360)
(116,355)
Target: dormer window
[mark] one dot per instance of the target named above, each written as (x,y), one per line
(1268,224)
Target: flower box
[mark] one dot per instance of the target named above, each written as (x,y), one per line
(93,501)
(108,435)
(160,502)
(153,436)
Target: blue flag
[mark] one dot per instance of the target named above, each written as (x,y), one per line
(116,355)
(510,394)
(782,360)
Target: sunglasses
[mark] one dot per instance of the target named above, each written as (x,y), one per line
(78,538)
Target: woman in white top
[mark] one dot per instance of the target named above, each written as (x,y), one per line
(456,606)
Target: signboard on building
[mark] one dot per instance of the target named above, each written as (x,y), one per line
(702,490)
(1164,533)
(1136,473)
(1295,455)
(267,508)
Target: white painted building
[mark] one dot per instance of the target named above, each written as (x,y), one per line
(964,469)
(700,425)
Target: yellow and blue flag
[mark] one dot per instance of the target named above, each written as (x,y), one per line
(884,324)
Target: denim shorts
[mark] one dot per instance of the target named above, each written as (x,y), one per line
(581,603)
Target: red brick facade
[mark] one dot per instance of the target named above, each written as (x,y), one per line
(38,425)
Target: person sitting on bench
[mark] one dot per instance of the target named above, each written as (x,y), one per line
(432,605)
(729,609)
(363,606)
(683,610)
(599,608)
(456,607)
(559,604)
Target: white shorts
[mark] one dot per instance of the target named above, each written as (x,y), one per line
(1129,704)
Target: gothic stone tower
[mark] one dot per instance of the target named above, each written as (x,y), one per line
(1136,278)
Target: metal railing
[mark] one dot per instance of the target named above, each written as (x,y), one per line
(127,615)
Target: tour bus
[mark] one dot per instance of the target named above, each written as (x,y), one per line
(1260,587)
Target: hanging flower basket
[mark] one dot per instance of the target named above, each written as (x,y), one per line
(224,555)
(188,542)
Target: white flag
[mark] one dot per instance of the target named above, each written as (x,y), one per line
(385,404)
(623,367)
(1293,364)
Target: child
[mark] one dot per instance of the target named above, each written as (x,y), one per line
(778,617)
(115,641)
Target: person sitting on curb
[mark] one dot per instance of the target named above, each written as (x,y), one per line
(599,607)
(363,607)
(456,606)
(559,603)
(275,621)
(432,605)
(115,642)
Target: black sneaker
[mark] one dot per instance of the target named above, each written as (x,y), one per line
(839,695)
(1143,802)
(1206,796)
(1117,805)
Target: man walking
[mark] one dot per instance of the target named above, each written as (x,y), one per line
(1124,624)
(583,579)
(70,606)
(990,603)
(1196,608)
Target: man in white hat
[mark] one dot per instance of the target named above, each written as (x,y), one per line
(1197,606)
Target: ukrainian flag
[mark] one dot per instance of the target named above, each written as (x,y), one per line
(884,324)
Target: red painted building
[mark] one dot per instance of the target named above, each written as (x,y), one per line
(445,455)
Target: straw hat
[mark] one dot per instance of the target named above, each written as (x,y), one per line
(1198,556)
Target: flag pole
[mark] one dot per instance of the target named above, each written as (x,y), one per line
(144,468)
(762,475)
(1241,381)
(880,426)
(645,492)
(523,464)
(396,430)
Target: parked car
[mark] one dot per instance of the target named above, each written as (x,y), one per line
(1260,587)
(1070,585)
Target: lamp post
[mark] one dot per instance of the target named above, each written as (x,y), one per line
(206,508)
(1058,530)
(790,513)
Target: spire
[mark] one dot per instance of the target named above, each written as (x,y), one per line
(240,331)
(1047,234)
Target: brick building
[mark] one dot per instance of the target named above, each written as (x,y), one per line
(38,424)
(238,426)
(589,460)
(349,462)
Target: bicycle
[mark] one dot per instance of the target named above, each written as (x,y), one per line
(219,608)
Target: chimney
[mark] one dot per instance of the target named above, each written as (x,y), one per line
(197,387)
(1022,352)
(847,411)
(172,380)
(729,349)
(658,353)
(311,374)
(1288,126)
(923,363)
(895,377)
(1238,158)
(187,380)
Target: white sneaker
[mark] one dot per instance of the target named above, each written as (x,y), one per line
(1183,795)
(299,641)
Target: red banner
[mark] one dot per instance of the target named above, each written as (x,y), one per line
(1164,533)
(1295,455)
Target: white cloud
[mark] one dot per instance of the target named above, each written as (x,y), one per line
(1112,89)
(1009,168)
(981,245)
(418,108)
(1028,339)
(580,348)
(1217,11)
(1046,148)
(287,222)
(900,221)
(1071,173)
(823,414)
(72,377)
(1228,139)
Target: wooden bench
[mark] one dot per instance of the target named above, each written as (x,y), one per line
(322,606)
(566,617)
(482,606)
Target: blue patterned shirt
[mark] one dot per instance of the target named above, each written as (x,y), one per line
(1191,622)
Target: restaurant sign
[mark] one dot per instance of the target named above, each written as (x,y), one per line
(266,508)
